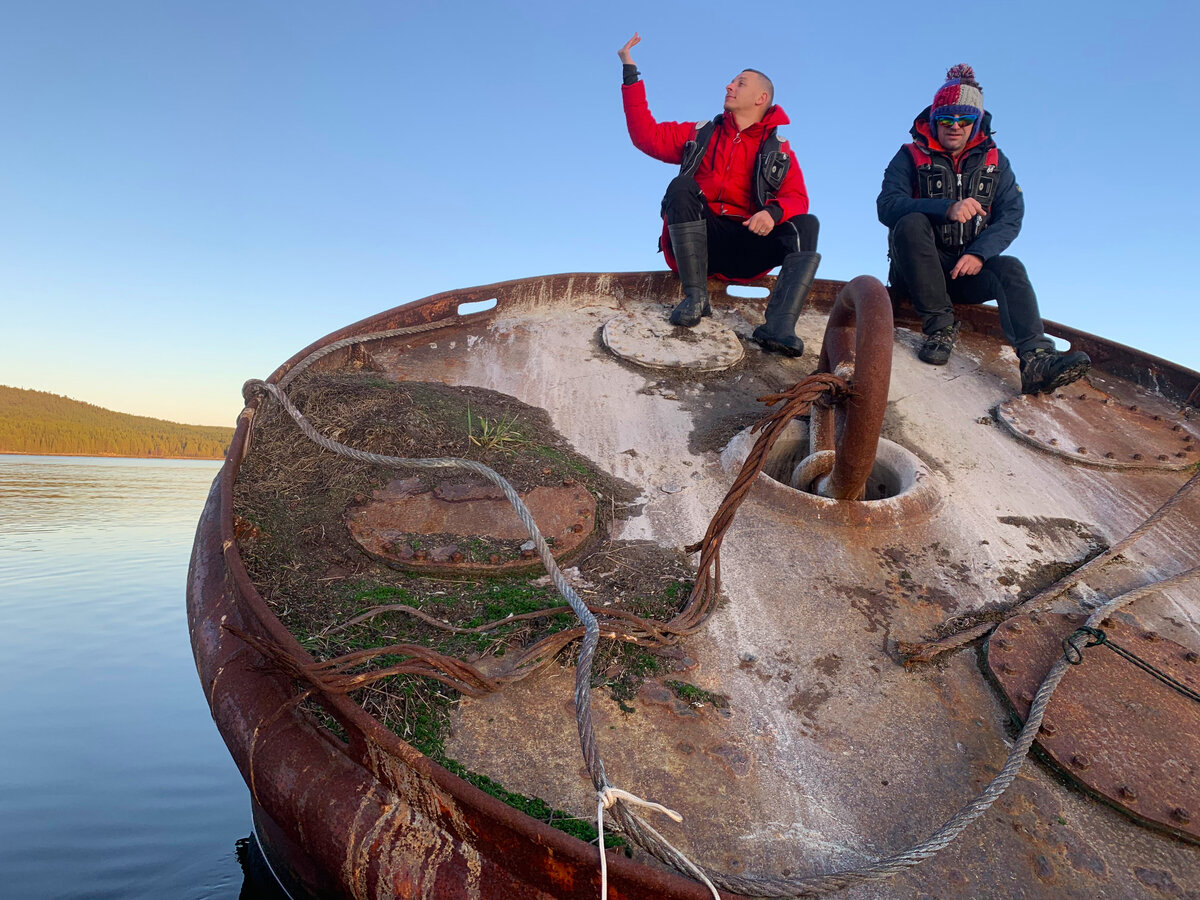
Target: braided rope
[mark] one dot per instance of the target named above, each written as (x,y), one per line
(796,401)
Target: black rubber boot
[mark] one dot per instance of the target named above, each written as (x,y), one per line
(689,243)
(778,332)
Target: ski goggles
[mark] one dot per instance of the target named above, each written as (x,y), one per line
(951,121)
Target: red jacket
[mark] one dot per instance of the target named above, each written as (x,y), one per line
(726,174)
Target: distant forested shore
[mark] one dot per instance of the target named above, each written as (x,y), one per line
(39,423)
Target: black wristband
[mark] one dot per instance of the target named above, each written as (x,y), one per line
(775,211)
(629,73)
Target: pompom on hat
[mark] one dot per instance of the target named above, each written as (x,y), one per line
(961,95)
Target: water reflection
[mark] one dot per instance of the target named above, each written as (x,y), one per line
(113,779)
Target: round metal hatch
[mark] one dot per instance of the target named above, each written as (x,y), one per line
(1090,426)
(1111,727)
(467,527)
(644,336)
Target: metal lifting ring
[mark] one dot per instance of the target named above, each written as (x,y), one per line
(857,347)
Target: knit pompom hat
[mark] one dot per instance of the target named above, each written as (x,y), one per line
(961,95)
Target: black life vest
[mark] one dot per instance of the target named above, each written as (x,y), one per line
(938,180)
(770,168)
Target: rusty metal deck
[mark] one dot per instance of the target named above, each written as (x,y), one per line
(829,752)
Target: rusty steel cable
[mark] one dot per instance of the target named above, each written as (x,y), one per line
(331,676)
(328,675)
(916,654)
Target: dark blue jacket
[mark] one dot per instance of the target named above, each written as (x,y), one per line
(896,199)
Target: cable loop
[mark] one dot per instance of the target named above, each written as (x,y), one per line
(1073,650)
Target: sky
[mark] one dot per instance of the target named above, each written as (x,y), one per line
(190,192)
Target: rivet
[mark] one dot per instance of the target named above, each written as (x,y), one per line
(1030,431)
(1152,636)
(1006,668)
(1106,623)
(1014,627)
(1110,455)
(577,528)
(421,555)
(494,559)
(1049,727)
(528,554)
(1162,457)
(1136,456)
(1026,696)
(456,556)
(1192,656)
(1189,437)
(1080,761)
(1083,396)
(1003,643)
(568,482)
(1179,814)
(1082,451)
(1128,793)
(1107,401)
(1157,418)
(1133,409)
(1177,428)
(1035,618)
(1053,441)
(1181,454)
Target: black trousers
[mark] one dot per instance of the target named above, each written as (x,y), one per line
(921,268)
(733,249)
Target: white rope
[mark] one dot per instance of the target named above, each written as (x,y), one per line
(610,795)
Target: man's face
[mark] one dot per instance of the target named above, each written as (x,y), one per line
(742,94)
(954,136)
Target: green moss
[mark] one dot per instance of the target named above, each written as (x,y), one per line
(533,807)
(689,693)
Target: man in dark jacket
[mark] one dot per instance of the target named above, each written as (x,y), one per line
(952,205)
(738,207)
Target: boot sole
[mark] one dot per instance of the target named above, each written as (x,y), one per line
(773,346)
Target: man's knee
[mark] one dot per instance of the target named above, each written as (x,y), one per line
(683,201)
(913,230)
(807,229)
(1008,269)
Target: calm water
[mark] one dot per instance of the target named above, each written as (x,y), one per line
(113,779)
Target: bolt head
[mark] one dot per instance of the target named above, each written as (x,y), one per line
(1128,793)
(1048,727)
(1080,761)
(1179,814)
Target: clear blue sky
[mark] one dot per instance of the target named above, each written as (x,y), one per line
(194,191)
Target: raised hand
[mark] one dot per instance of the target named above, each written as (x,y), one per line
(629,45)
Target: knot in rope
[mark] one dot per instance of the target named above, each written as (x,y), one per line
(610,795)
(255,387)
(1073,649)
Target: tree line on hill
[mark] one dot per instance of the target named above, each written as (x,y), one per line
(37,422)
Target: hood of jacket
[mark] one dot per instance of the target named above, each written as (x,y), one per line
(924,137)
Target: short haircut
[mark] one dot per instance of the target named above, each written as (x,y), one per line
(767,82)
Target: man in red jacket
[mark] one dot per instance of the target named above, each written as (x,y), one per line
(738,207)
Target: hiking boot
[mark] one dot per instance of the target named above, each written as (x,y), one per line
(689,244)
(778,333)
(1043,371)
(937,346)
